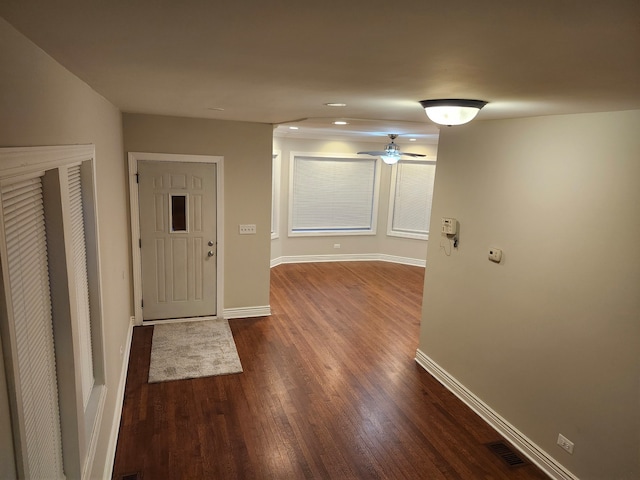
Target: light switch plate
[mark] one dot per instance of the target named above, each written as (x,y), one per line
(495,255)
(247,229)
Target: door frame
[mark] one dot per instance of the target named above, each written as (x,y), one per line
(218,162)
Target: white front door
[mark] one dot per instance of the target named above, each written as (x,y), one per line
(178,239)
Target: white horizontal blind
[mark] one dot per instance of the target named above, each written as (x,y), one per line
(333,194)
(413,195)
(81,281)
(30,295)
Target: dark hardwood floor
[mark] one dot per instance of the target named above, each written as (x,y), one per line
(330,390)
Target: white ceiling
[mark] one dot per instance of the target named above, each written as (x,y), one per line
(280,61)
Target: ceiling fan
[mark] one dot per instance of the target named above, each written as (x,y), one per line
(391,153)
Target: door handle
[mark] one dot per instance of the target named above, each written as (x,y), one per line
(210,254)
(210,243)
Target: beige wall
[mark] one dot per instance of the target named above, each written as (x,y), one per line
(380,243)
(41,103)
(549,338)
(246,148)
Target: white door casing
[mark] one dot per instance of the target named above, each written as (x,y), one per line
(177,274)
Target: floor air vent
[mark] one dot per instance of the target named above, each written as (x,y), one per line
(131,476)
(507,454)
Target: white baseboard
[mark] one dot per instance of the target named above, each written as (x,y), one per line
(247,312)
(115,425)
(416,262)
(355,257)
(528,448)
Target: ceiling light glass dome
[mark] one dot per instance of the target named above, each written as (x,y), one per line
(452,111)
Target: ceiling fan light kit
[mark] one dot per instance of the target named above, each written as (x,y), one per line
(452,111)
(391,153)
(390,159)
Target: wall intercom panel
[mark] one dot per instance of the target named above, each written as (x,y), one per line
(449,226)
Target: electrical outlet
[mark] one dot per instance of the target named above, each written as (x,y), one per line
(247,229)
(565,443)
(336,245)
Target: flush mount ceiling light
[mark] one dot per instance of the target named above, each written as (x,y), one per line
(452,111)
(335,104)
(340,122)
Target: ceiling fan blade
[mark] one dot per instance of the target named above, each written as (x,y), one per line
(383,152)
(375,154)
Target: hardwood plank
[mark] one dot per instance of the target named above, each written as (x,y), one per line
(330,389)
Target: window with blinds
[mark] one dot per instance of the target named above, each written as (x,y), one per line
(51,321)
(410,199)
(333,196)
(30,314)
(275,196)
(81,280)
